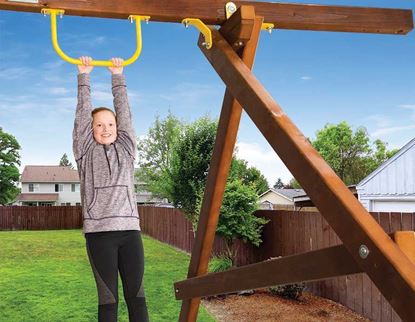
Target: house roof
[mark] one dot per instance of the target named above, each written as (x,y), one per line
(286,193)
(304,200)
(392,159)
(48,173)
(37,197)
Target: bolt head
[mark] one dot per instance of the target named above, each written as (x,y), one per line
(363,251)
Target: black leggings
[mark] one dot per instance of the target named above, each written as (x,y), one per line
(109,252)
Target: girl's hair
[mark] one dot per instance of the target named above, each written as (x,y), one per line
(100,109)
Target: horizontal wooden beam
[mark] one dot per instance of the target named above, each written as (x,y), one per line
(282,15)
(371,248)
(310,266)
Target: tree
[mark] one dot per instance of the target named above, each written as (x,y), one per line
(293,184)
(64,162)
(279,184)
(349,153)
(237,220)
(155,152)
(248,175)
(9,173)
(190,164)
(182,180)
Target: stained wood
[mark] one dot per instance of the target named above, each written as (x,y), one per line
(315,265)
(346,215)
(283,15)
(217,177)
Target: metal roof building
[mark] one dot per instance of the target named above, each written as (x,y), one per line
(391,187)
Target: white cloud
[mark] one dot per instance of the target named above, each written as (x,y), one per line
(57,90)
(379,120)
(265,159)
(305,78)
(14,72)
(392,129)
(408,106)
(102,95)
(190,93)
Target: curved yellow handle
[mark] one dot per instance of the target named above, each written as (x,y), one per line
(54,12)
(202,28)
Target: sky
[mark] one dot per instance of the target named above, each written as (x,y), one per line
(316,77)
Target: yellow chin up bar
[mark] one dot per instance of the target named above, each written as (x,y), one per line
(60,12)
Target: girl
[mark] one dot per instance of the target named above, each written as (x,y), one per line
(104,146)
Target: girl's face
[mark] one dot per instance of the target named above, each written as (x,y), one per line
(104,127)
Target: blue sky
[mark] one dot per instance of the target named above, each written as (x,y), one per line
(316,77)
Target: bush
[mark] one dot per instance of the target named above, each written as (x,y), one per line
(220,263)
(291,291)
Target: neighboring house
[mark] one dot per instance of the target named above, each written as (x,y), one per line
(144,197)
(279,198)
(304,202)
(49,186)
(391,187)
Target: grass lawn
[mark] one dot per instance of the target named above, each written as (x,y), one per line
(46,276)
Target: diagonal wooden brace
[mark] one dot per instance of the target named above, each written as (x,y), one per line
(387,266)
(311,266)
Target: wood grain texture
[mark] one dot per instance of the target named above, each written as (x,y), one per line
(283,15)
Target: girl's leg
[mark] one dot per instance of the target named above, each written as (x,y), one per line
(131,266)
(102,249)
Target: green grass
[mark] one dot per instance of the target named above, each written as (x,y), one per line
(46,276)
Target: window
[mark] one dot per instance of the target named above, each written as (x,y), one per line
(75,187)
(45,203)
(33,187)
(68,203)
(58,187)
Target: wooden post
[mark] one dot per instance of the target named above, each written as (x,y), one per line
(220,164)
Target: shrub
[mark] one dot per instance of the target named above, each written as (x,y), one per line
(291,291)
(220,263)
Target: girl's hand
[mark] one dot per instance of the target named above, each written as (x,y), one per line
(86,65)
(117,69)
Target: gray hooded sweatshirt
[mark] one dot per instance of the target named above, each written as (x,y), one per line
(106,172)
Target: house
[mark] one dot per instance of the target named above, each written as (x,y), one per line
(144,197)
(304,202)
(391,187)
(49,186)
(279,198)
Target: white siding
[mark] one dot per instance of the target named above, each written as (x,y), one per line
(392,186)
(65,196)
(275,199)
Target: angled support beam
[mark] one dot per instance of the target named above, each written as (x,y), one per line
(371,248)
(219,166)
(282,15)
(310,266)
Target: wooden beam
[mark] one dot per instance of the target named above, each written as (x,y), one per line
(387,266)
(283,15)
(218,172)
(310,266)
(238,29)
(406,242)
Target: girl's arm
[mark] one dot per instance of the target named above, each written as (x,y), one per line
(82,131)
(126,132)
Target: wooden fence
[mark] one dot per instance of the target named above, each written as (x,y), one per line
(40,218)
(287,233)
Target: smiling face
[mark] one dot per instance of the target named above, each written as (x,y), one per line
(104,127)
